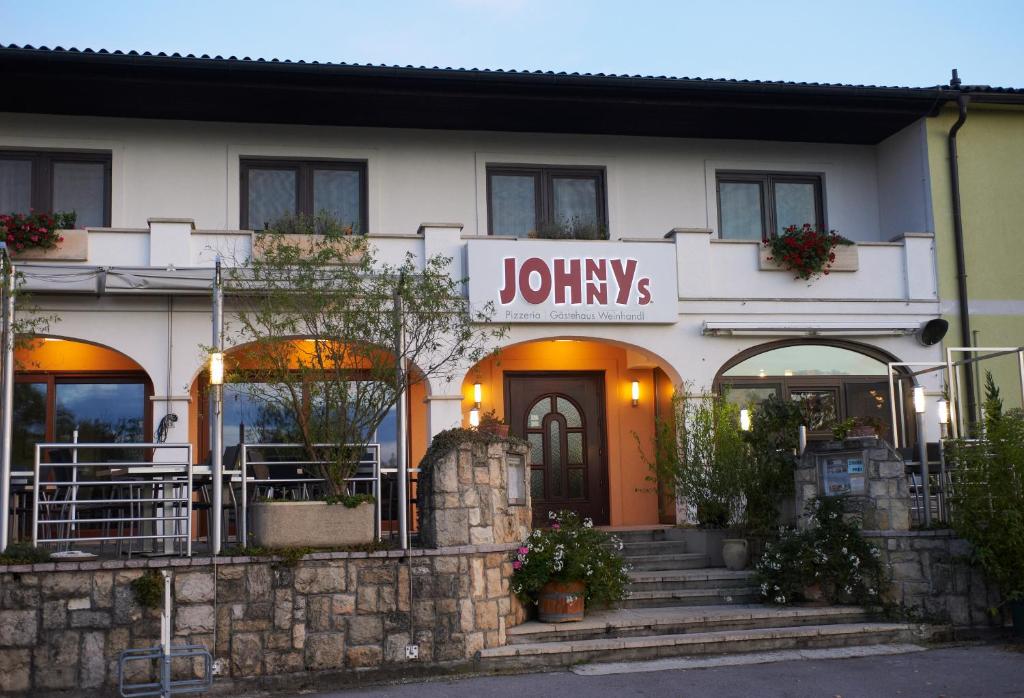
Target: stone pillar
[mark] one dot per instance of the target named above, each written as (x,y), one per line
(880,492)
(464,494)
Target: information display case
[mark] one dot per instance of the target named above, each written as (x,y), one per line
(842,473)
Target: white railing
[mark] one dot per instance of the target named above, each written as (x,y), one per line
(136,498)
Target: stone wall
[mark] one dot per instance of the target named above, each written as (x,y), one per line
(930,570)
(62,626)
(463,495)
(932,575)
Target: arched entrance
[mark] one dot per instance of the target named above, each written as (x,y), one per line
(571,399)
(65,387)
(833,380)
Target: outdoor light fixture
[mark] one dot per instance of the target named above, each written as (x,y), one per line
(745,420)
(636,393)
(943,412)
(919,404)
(474,417)
(477,394)
(217,368)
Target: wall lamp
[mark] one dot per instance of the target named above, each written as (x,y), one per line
(217,368)
(919,403)
(635,392)
(943,406)
(474,417)
(478,394)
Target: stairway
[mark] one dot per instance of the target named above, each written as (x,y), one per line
(678,606)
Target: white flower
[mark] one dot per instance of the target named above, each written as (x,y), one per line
(552,516)
(588,523)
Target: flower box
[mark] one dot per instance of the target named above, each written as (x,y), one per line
(847,259)
(311,524)
(74,248)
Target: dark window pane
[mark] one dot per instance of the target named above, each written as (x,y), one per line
(537,412)
(746,396)
(537,483)
(576,484)
(740,207)
(29,423)
(254,414)
(574,441)
(15,186)
(795,204)
(80,187)
(575,200)
(818,406)
(102,413)
(337,193)
(513,204)
(555,458)
(569,411)
(271,196)
(536,448)
(870,400)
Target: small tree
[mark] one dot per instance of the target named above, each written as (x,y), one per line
(772,440)
(322,318)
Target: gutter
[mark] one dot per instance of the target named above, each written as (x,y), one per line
(966,339)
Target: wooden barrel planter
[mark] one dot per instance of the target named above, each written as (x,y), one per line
(561,602)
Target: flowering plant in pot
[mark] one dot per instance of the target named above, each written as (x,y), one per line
(25,231)
(857,427)
(806,250)
(828,561)
(569,566)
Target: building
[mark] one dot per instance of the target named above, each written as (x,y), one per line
(172,161)
(989,177)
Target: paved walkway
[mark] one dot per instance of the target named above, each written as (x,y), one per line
(952,672)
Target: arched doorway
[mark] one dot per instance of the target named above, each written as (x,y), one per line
(65,387)
(833,380)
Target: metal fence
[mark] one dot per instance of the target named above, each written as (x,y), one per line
(119,493)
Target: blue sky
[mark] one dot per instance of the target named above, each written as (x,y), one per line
(895,42)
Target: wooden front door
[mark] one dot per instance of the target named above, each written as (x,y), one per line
(561,415)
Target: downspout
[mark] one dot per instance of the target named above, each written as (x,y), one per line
(958,240)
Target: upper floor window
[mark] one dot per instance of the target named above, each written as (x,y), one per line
(271,189)
(57,182)
(759,205)
(547,202)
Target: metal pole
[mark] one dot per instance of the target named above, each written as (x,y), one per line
(8,397)
(400,410)
(801,439)
(165,639)
(922,454)
(217,411)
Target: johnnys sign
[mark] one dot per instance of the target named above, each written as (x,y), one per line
(544,281)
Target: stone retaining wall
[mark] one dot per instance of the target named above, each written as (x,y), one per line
(62,626)
(932,575)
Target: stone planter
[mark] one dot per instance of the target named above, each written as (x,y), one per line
(311,524)
(561,602)
(75,248)
(499,430)
(706,541)
(735,553)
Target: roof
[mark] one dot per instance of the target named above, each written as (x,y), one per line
(174,86)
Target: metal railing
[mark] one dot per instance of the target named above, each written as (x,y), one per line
(125,499)
(299,485)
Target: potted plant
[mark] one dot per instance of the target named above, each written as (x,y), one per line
(828,561)
(491,423)
(574,228)
(31,235)
(806,250)
(568,567)
(862,427)
(987,499)
(317,317)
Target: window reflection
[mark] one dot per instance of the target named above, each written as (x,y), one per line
(101,413)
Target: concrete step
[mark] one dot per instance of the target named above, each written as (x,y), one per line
(657,547)
(569,652)
(684,561)
(643,535)
(705,578)
(691,597)
(639,622)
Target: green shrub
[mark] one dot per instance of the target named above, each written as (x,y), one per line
(149,589)
(829,553)
(23,554)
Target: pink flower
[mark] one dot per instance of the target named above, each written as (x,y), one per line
(556,526)
(523,550)
(516,564)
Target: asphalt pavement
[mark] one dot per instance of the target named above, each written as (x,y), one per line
(982,671)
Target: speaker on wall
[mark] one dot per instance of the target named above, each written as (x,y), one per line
(932,332)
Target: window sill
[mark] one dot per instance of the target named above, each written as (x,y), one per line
(847,259)
(75,248)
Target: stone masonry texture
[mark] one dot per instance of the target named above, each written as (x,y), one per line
(62,626)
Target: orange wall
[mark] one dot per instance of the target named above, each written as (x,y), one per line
(71,356)
(633,499)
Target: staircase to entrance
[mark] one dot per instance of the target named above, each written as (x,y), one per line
(680,606)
